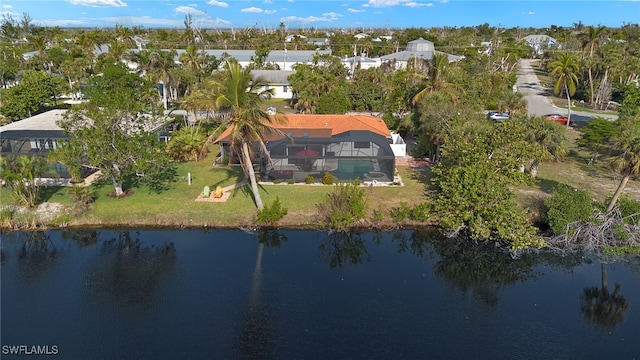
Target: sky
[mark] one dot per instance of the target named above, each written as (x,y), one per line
(295,14)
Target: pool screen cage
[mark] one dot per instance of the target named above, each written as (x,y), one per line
(348,156)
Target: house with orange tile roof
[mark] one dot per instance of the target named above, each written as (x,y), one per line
(347,146)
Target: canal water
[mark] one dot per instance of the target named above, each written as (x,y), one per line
(216,294)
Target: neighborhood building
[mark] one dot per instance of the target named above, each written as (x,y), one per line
(35,135)
(40,134)
(347,146)
(540,43)
(278,81)
(416,49)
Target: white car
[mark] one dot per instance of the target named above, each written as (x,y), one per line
(497,116)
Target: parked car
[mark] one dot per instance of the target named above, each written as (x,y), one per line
(497,116)
(560,119)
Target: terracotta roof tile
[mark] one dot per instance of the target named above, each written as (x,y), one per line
(337,123)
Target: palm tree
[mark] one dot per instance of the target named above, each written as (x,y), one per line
(240,95)
(628,164)
(193,61)
(437,71)
(591,39)
(513,103)
(162,64)
(550,140)
(19,174)
(565,68)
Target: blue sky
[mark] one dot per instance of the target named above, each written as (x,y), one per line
(323,14)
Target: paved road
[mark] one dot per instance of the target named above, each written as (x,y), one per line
(539,104)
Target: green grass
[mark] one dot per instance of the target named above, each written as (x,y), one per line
(281,105)
(177,207)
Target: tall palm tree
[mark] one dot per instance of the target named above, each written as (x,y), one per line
(565,69)
(240,95)
(550,140)
(591,40)
(437,71)
(628,163)
(193,61)
(162,64)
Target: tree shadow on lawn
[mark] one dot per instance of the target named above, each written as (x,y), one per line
(51,193)
(229,173)
(424,176)
(238,174)
(598,169)
(546,185)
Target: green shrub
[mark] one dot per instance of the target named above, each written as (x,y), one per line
(327,178)
(277,181)
(567,205)
(82,197)
(309,179)
(420,212)
(225,160)
(343,207)
(629,207)
(272,212)
(378,215)
(6,215)
(291,181)
(401,213)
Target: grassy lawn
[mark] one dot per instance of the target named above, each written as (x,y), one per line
(281,105)
(177,206)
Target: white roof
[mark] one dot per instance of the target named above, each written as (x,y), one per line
(44,121)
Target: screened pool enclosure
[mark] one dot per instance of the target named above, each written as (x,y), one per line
(355,154)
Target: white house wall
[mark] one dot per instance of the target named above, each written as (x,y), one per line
(279,91)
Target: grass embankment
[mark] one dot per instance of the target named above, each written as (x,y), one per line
(177,207)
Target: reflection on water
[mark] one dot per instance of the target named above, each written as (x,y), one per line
(308,294)
(127,271)
(340,249)
(256,338)
(601,307)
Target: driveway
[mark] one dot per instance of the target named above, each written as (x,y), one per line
(538,103)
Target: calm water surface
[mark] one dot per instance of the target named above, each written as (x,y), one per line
(307,295)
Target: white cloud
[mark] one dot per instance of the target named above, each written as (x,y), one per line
(354,10)
(201,22)
(218,3)
(6,6)
(383,3)
(189,10)
(413,4)
(326,17)
(65,23)
(389,3)
(444,1)
(267,2)
(528,13)
(256,10)
(99,3)
(251,10)
(332,15)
